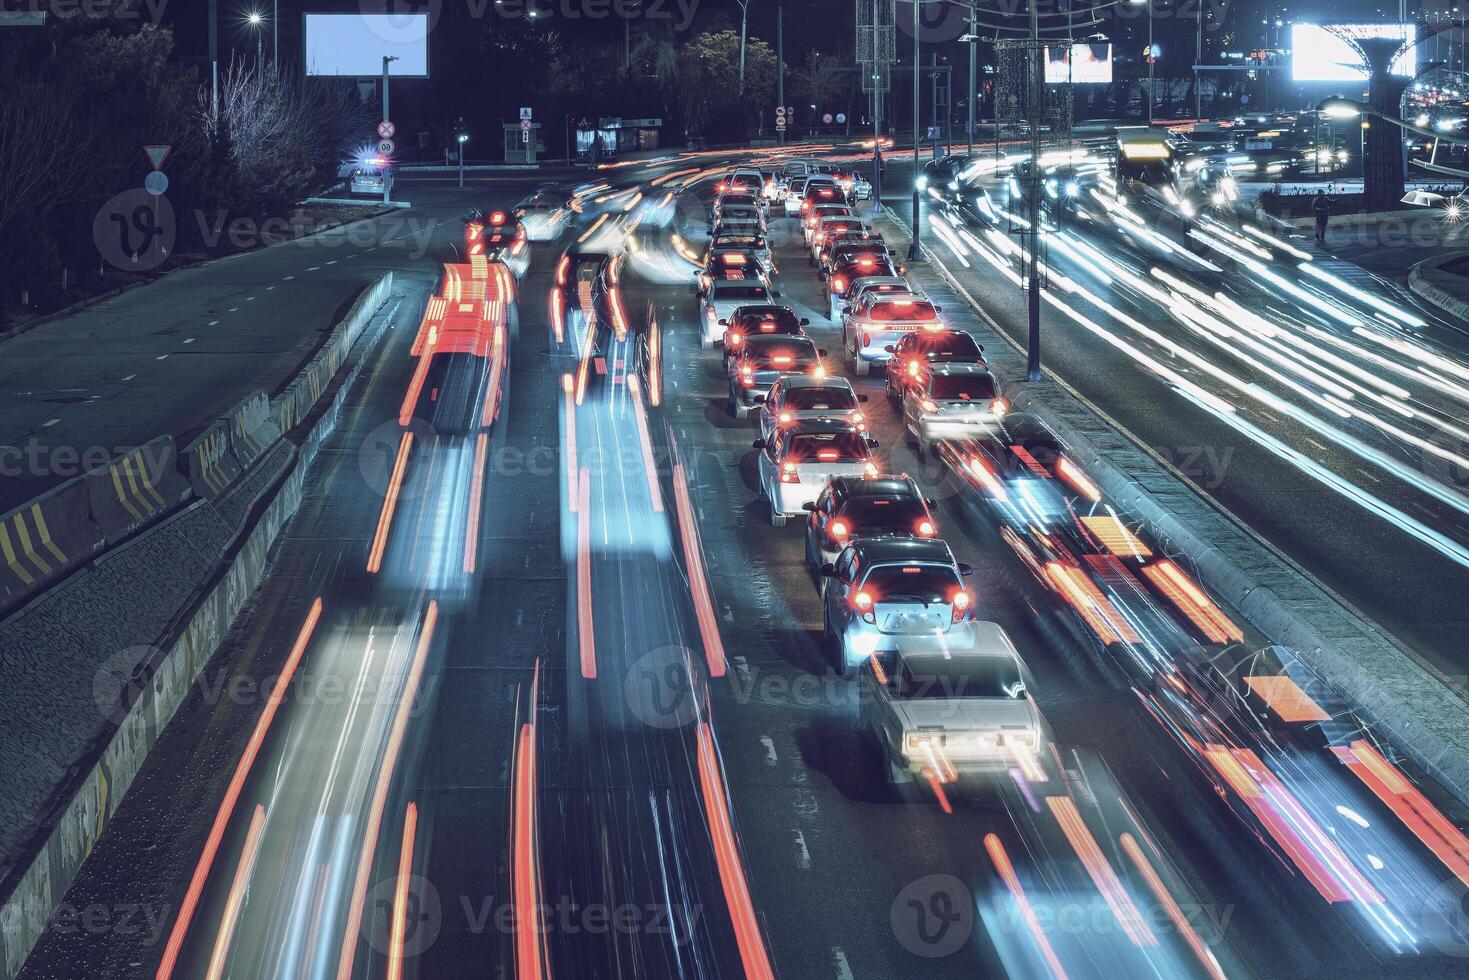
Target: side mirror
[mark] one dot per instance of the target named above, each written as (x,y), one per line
(809,505)
(775,293)
(966,569)
(873,443)
(891,348)
(828,570)
(724,322)
(893,252)
(822,274)
(930,501)
(938,309)
(806,323)
(862,398)
(821,351)
(758,444)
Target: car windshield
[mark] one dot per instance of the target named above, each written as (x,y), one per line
(902,311)
(739,241)
(911,583)
(969,387)
(883,515)
(820,399)
(727,291)
(827,447)
(963,677)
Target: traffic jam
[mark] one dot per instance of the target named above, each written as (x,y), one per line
(848,366)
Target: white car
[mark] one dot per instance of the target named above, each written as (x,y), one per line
(820,213)
(797,397)
(952,400)
(881,319)
(883,591)
(795,465)
(722,299)
(740,218)
(544,219)
(962,703)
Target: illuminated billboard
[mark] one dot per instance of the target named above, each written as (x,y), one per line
(1318,54)
(1083,64)
(354,45)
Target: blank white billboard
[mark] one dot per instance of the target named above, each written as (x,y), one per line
(1083,64)
(1318,54)
(355,44)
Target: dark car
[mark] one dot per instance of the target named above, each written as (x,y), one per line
(850,508)
(761,360)
(761,320)
(921,347)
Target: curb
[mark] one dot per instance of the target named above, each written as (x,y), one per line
(1426,719)
(1419,282)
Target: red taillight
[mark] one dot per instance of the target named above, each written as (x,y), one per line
(476,249)
(912,369)
(498,218)
(862,603)
(561,268)
(785,417)
(960,604)
(839,529)
(866,339)
(788,473)
(926,529)
(838,284)
(732,339)
(828,455)
(747,377)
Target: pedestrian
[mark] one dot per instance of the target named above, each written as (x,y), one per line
(1321,208)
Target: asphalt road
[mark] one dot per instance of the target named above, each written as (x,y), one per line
(619,811)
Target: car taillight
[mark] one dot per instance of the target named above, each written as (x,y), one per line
(928,405)
(747,377)
(926,529)
(839,529)
(709,312)
(838,284)
(870,471)
(788,473)
(862,603)
(819,371)
(959,604)
(912,369)
(866,339)
(999,407)
(732,339)
(784,417)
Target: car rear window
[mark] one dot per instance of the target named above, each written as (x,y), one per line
(784,358)
(781,320)
(820,399)
(951,347)
(883,515)
(902,311)
(970,387)
(726,290)
(963,677)
(911,583)
(827,447)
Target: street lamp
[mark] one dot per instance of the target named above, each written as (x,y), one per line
(256,21)
(463,138)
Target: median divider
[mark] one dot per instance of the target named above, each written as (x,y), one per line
(44,539)
(137,489)
(127,630)
(1425,719)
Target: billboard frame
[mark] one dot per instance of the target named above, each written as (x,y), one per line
(428,52)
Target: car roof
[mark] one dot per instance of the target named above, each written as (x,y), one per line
(958,369)
(818,426)
(881,486)
(898,550)
(762,309)
(806,381)
(730,284)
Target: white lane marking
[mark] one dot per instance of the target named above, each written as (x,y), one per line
(130,377)
(288,278)
(844,969)
(48,425)
(728,615)
(313,268)
(232,309)
(249,299)
(803,853)
(214,323)
(189,341)
(161,357)
(770,756)
(519,616)
(269,288)
(332,262)
(1369,475)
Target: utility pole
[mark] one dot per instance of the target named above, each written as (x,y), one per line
(1199,60)
(387,172)
(1033,194)
(913,250)
(877,105)
(744,19)
(780,63)
(275,33)
(973,55)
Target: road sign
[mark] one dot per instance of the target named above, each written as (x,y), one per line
(841,117)
(386,147)
(156,183)
(386,129)
(525,112)
(933,132)
(826,118)
(157,154)
(525,135)
(780,112)
(525,125)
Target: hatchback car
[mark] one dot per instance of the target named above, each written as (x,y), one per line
(794,465)
(848,509)
(761,360)
(952,401)
(796,397)
(915,351)
(722,299)
(761,319)
(883,591)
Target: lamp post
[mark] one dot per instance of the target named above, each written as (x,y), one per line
(463,138)
(255,21)
(388,59)
(913,250)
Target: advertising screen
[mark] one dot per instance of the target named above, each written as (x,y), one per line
(1082,64)
(1318,54)
(354,45)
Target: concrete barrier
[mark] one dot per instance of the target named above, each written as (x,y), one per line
(253,428)
(210,462)
(44,539)
(295,400)
(136,489)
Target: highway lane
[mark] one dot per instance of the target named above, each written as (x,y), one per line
(1315,526)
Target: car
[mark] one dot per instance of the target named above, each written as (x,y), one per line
(813,218)
(500,237)
(860,268)
(796,397)
(879,321)
(961,704)
(588,305)
(850,509)
(740,218)
(747,178)
(858,288)
(737,199)
(369,178)
(730,264)
(761,361)
(861,188)
(881,592)
(952,401)
(544,218)
(753,241)
(757,320)
(830,231)
(941,176)
(722,299)
(853,246)
(794,465)
(795,194)
(821,190)
(914,351)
